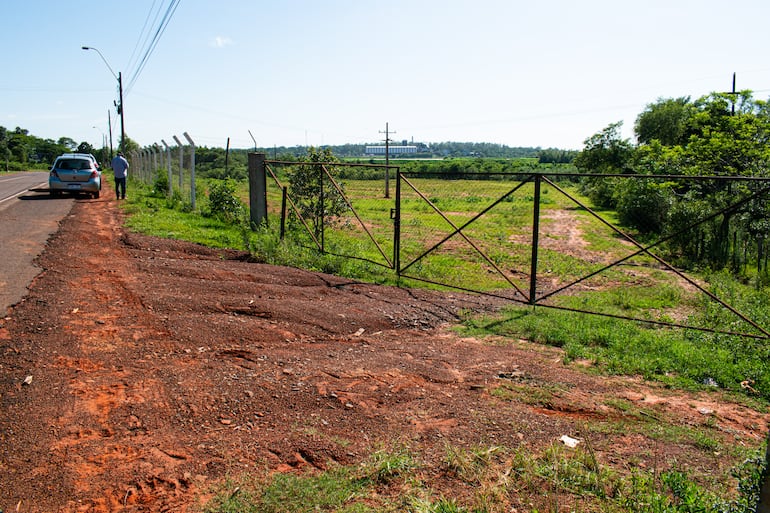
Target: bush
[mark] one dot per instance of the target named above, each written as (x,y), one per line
(223,202)
(160,185)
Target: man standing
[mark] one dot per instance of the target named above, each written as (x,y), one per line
(120,169)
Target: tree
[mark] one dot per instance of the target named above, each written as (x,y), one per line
(666,121)
(68,143)
(19,145)
(605,152)
(130,146)
(718,134)
(46,150)
(84,147)
(5,153)
(312,190)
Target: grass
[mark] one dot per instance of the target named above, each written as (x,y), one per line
(492,479)
(688,359)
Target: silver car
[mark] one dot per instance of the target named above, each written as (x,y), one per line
(75,173)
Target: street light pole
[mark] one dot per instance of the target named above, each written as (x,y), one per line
(119,78)
(104,138)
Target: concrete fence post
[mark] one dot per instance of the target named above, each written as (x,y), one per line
(192,169)
(168,165)
(181,160)
(257,189)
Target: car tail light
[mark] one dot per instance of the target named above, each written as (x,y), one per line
(94,174)
(54,173)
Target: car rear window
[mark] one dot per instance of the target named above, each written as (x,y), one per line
(74,164)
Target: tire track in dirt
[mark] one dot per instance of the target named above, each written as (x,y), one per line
(100,440)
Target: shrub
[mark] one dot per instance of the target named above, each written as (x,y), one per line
(223,202)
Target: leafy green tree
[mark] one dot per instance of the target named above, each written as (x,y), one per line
(46,150)
(67,143)
(84,147)
(5,152)
(19,145)
(605,152)
(666,121)
(130,145)
(718,134)
(312,191)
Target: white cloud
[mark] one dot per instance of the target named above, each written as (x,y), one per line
(220,42)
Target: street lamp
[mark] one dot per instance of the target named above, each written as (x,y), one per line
(119,78)
(104,136)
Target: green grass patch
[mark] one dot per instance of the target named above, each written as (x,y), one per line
(490,479)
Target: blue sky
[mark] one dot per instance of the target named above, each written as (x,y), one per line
(537,73)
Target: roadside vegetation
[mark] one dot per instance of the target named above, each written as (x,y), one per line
(485,479)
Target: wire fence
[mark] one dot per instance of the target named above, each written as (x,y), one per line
(623,246)
(547,239)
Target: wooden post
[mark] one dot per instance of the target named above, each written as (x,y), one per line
(257,189)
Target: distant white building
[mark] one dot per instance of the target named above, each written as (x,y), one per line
(392,150)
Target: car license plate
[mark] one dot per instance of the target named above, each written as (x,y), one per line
(75,186)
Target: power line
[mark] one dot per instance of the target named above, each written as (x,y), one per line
(139,42)
(170,10)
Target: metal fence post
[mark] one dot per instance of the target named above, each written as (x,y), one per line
(321,213)
(284,196)
(396,215)
(257,189)
(535,242)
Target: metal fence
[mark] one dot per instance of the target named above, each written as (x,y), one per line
(535,238)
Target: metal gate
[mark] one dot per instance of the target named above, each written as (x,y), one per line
(538,242)
(528,238)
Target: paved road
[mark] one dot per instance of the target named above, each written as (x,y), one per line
(27,220)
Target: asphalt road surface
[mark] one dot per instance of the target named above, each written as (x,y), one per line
(27,219)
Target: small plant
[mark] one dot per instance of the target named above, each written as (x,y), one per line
(223,202)
(160,185)
(470,465)
(386,466)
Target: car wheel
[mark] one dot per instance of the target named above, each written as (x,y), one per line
(95,195)
(55,194)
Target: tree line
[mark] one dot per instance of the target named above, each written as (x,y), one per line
(21,150)
(717,135)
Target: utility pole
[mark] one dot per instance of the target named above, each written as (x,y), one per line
(387,160)
(732,94)
(120,110)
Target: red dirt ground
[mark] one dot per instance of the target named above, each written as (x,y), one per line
(138,372)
